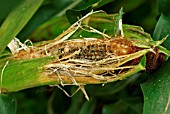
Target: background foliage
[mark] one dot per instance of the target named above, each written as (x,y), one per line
(121,97)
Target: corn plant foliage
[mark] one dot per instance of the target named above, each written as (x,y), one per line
(8,104)
(156,89)
(12,25)
(119,97)
(16,20)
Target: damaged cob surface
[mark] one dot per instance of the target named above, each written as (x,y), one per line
(91,60)
(105,59)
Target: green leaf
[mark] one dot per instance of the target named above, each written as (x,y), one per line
(88,107)
(110,89)
(49,30)
(80,10)
(118,19)
(53,28)
(124,106)
(49,9)
(59,102)
(7,104)
(73,16)
(5,8)
(156,91)
(164,7)
(76,102)
(16,20)
(162,29)
(86,4)
(26,71)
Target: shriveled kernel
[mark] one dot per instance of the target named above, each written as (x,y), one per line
(90,49)
(93,57)
(66,49)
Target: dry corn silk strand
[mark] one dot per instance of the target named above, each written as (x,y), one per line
(104,60)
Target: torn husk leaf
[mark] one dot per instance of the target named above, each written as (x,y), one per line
(82,61)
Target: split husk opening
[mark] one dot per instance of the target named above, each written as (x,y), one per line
(77,61)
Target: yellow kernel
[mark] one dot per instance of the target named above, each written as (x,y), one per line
(124,51)
(118,45)
(126,46)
